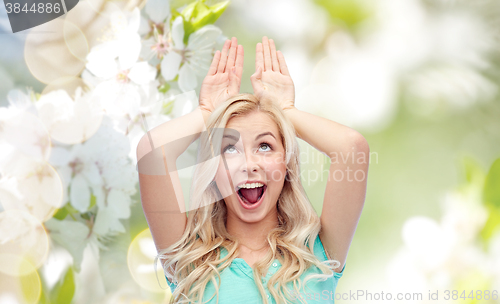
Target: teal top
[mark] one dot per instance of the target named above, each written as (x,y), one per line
(238,285)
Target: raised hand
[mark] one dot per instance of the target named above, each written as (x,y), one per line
(223,79)
(271,81)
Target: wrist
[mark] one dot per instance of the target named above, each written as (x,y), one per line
(290,109)
(205,112)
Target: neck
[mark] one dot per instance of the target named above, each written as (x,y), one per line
(252,235)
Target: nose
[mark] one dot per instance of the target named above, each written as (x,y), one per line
(251,163)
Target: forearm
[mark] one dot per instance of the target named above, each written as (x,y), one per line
(161,191)
(177,134)
(325,135)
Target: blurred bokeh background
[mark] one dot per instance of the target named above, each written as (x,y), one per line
(419,79)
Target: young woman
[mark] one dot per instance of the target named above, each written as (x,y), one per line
(251,235)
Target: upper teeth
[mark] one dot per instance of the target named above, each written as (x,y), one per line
(251,185)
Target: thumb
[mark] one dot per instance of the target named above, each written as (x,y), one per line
(258,73)
(256,76)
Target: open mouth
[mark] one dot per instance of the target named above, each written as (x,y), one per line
(251,193)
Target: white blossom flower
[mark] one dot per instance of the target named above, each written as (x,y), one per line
(195,57)
(72,235)
(27,181)
(123,82)
(101,167)
(437,253)
(69,121)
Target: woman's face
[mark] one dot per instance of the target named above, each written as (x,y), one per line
(256,168)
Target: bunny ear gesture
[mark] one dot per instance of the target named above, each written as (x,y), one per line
(223,79)
(267,58)
(271,81)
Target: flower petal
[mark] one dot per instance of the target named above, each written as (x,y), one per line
(134,20)
(187,78)
(100,60)
(170,65)
(59,156)
(158,10)
(204,37)
(118,99)
(71,235)
(130,48)
(107,222)
(142,73)
(178,32)
(119,203)
(91,172)
(80,193)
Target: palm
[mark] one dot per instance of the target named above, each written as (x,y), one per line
(276,86)
(215,87)
(271,81)
(221,82)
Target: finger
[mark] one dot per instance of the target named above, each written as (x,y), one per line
(239,61)
(257,75)
(223,57)
(232,55)
(268,66)
(214,64)
(283,66)
(255,79)
(274,57)
(259,56)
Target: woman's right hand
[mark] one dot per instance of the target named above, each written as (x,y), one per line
(223,79)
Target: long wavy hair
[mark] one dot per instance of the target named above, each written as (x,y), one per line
(195,259)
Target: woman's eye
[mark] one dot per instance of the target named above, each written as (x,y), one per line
(265,147)
(230,149)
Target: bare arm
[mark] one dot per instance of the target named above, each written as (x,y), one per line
(158,150)
(346,187)
(158,180)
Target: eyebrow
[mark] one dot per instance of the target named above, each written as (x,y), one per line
(231,136)
(257,137)
(264,134)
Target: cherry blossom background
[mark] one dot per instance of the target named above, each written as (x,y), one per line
(419,79)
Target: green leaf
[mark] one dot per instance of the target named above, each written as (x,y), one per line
(30,286)
(350,13)
(61,213)
(188,11)
(474,172)
(491,190)
(86,215)
(93,200)
(471,281)
(167,107)
(164,88)
(174,14)
(175,4)
(216,11)
(64,291)
(492,224)
(71,209)
(198,14)
(44,294)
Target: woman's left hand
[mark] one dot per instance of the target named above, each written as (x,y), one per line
(271,81)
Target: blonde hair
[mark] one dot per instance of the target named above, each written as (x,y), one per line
(194,260)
